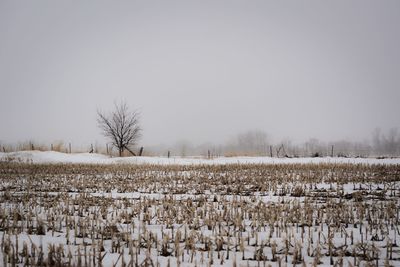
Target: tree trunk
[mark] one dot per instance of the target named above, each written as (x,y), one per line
(133,153)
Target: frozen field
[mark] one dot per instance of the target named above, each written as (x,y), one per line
(197,212)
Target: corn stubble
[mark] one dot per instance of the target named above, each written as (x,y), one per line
(232,215)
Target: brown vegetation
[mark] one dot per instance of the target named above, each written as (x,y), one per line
(93,215)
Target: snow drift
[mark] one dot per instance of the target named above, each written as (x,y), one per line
(87,158)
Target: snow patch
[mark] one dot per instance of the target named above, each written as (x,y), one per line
(92,158)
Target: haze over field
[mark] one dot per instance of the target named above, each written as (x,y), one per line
(199,133)
(200,71)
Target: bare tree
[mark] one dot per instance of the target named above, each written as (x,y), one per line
(253,142)
(121,126)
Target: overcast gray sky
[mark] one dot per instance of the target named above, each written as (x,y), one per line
(199,70)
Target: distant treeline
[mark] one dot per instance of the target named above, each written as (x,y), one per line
(251,143)
(257,143)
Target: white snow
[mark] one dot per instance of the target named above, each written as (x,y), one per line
(57,157)
(100,201)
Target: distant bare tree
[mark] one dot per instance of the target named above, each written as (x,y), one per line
(253,142)
(386,144)
(391,142)
(377,141)
(121,126)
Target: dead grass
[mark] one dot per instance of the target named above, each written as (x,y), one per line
(205,215)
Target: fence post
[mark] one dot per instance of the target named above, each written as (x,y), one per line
(140,151)
(169,154)
(332,152)
(69,144)
(107,149)
(270,151)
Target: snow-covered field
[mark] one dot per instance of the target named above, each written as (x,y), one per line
(197,212)
(57,157)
